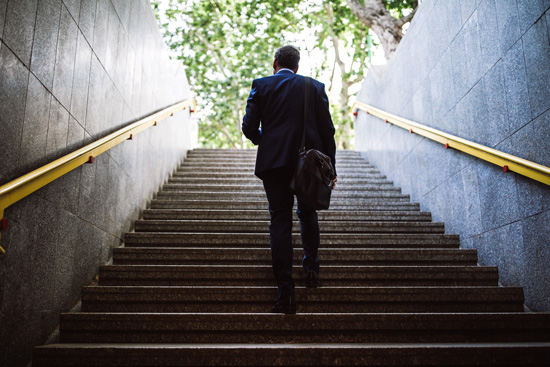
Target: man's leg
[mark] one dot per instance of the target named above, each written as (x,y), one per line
(281,201)
(309,229)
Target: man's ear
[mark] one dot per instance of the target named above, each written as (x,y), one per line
(275,66)
(296,70)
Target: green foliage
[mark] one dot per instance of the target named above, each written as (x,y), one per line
(224,44)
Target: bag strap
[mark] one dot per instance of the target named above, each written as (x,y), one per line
(306,103)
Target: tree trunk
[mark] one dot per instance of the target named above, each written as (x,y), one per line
(375,16)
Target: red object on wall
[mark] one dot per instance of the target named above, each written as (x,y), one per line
(3,223)
(505,168)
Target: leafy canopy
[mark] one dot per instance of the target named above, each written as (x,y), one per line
(225,44)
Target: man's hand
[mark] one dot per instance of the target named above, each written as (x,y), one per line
(334,182)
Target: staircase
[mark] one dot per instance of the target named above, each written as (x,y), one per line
(193,285)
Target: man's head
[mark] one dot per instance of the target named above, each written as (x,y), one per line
(286,57)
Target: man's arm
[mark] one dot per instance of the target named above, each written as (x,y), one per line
(251,120)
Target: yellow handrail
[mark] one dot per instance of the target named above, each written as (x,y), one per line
(507,161)
(25,185)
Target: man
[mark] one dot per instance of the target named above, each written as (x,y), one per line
(277,103)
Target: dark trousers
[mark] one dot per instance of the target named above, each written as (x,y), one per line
(281,201)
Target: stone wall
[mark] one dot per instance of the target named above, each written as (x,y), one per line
(477,69)
(72,71)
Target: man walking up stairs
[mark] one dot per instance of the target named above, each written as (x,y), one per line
(193,284)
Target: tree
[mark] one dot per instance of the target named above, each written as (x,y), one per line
(377,14)
(224,44)
(340,31)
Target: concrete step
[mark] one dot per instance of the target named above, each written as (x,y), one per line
(345,240)
(354,196)
(258,187)
(325,300)
(250,179)
(250,163)
(333,215)
(258,226)
(344,170)
(250,174)
(304,328)
(262,275)
(262,256)
(343,206)
(323,354)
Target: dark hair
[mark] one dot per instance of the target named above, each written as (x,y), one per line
(287,57)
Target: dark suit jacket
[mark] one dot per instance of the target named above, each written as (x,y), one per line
(277,101)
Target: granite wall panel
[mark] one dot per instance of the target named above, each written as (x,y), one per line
(45,41)
(488,84)
(13,91)
(65,60)
(536,48)
(73,6)
(35,127)
(86,19)
(3,7)
(19,28)
(71,72)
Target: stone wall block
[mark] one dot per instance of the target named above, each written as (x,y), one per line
(73,6)
(58,130)
(537,252)
(121,61)
(19,28)
(536,46)
(35,130)
(498,196)
(507,242)
(111,54)
(459,66)
(65,60)
(471,200)
(496,118)
(86,20)
(467,7)
(487,24)
(508,24)
(81,79)
(3,7)
(517,93)
(45,41)
(13,91)
(473,53)
(101,29)
(122,8)
(95,108)
(529,12)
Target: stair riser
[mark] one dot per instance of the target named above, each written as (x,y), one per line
(234,256)
(255,188)
(262,240)
(331,276)
(263,227)
(323,300)
(305,307)
(335,205)
(352,197)
(258,356)
(264,215)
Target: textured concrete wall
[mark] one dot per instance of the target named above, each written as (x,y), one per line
(478,69)
(72,71)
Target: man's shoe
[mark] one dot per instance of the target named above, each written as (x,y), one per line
(287,307)
(312,279)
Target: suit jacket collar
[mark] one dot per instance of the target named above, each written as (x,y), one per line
(285,71)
